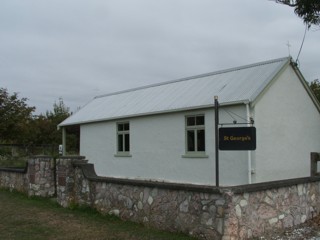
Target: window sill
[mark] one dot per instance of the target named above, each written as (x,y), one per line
(195,155)
(123,155)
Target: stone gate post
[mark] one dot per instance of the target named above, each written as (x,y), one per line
(41,175)
(65,178)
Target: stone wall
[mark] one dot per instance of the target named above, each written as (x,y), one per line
(199,214)
(195,210)
(206,212)
(253,212)
(239,212)
(14,179)
(36,179)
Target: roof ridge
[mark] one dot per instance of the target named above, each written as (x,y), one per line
(196,76)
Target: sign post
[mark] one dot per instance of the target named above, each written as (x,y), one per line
(232,138)
(216,113)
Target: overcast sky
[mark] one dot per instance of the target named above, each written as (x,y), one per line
(77,49)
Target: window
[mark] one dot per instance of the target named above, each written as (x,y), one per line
(195,135)
(123,138)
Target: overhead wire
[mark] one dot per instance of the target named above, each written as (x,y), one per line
(304,36)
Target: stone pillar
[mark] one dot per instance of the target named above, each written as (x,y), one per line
(65,178)
(41,175)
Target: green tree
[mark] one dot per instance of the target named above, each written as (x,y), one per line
(60,112)
(315,87)
(308,10)
(15,118)
(45,127)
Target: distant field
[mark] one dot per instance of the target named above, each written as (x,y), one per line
(36,218)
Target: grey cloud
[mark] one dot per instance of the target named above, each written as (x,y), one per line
(79,49)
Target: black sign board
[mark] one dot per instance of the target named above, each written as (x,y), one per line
(237,138)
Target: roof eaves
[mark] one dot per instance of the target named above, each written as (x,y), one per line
(306,86)
(154,113)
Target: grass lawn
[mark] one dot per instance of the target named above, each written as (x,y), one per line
(38,218)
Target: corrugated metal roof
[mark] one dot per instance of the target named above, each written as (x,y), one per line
(231,86)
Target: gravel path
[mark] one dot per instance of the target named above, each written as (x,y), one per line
(307,231)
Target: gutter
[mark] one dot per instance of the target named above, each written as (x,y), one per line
(249,152)
(62,124)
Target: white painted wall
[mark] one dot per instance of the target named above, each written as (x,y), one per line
(157,149)
(288,129)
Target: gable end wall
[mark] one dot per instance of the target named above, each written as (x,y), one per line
(288,129)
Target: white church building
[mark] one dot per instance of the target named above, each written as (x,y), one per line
(166,132)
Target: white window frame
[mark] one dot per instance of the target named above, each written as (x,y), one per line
(123,133)
(195,128)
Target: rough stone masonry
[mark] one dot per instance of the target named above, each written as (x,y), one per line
(207,212)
